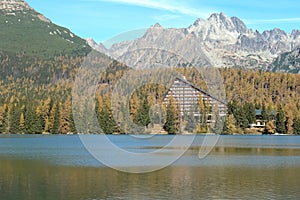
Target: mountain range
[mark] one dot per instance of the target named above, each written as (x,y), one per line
(219,41)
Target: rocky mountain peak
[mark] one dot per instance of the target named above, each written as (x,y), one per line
(220,22)
(239,25)
(157,25)
(295,34)
(275,35)
(198,22)
(14,5)
(220,19)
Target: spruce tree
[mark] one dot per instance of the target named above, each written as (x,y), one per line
(56,120)
(191,120)
(280,121)
(296,126)
(172,125)
(249,109)
(33,123)
(106,120)
(142,117)
(264,113)
(14,119)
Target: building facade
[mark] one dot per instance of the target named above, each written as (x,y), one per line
(188,96)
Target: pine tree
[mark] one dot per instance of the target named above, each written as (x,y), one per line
(33,123)
(56,120)
(239,114)
(172,125)
(14,119)
(219,124)
(264,113)
(142,117)
(203,112)
(106,120)
(241,118)
(296,125)
(280,121)
(250,113)
(191,120)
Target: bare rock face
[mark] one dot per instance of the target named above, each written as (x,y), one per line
(287,62)
(14,5)
(219,41)
(94,45)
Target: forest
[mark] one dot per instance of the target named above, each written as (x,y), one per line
(36,97)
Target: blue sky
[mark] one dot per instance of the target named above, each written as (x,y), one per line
(103,19)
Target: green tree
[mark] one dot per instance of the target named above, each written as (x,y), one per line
(265,113)
(280,121)
(142,116)
(33,123)
(172,125)
(14,119)
(106,119)
(219,124)
(191,124)
(250,112)
(296,125)
(203,108)
(239,114)
(56,120)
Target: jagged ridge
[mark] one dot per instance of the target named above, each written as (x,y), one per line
(220,41)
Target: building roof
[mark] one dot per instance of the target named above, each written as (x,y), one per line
(201,90)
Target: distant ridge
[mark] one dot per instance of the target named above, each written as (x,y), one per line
(220,40)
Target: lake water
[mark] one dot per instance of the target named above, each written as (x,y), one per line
(60,167)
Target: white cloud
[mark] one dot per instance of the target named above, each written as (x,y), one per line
(165,5)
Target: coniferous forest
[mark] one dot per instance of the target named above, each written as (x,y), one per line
(36,97)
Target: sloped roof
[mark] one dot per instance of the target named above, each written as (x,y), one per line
(201,90)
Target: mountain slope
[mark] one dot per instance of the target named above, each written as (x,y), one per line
(220,41)
(27,32)
(287,62)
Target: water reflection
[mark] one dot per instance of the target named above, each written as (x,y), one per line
(21,179)
(237,168)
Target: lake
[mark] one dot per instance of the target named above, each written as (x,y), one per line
(61,167)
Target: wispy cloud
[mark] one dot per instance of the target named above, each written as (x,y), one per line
(273,21)
(162,18)
(170,6)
